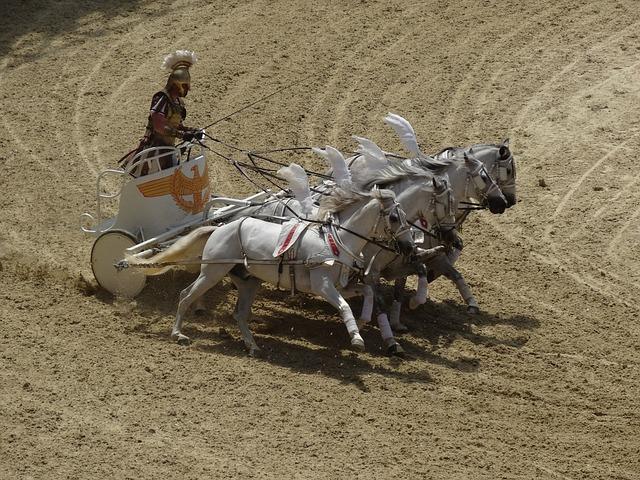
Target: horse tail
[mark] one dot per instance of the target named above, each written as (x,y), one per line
(187,248)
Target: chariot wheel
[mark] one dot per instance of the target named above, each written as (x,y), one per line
(107,250)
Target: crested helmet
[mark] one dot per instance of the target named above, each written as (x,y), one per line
(178,64)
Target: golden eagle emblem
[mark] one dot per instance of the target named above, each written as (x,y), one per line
(181,187)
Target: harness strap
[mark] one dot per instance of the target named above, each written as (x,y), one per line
(279,271)
(242,252)
(292,274)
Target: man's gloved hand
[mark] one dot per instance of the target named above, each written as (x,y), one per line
(188,136)
(192,133)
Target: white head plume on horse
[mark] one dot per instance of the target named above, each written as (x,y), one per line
(374,158)
(406,133)
(298,180)
(336,160)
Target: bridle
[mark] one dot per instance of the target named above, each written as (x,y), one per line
(503,166)
(381,241)
(483,183)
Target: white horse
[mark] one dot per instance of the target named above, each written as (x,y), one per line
(421,196)
(323,253)
(436,217)
(470,182)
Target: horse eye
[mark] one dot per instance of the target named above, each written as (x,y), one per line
(393,217)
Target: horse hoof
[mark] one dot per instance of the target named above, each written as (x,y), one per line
(473,310)
(399,328)
(395,350)
(182,339)
(357,343)
(254,351)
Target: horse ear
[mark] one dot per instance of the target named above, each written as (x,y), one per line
(505,142)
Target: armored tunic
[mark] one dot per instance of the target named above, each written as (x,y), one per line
(174,111)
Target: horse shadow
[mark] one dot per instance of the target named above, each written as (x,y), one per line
(304,334)
(437,325)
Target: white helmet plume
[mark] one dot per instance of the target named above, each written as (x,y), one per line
(179,58)
(297,178)
(336,160)
(405,131)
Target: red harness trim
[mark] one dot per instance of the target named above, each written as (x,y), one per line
(333,245)
(287,240)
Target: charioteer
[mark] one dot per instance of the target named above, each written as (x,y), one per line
(167,113)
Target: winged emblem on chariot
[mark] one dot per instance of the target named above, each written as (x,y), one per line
(189,193)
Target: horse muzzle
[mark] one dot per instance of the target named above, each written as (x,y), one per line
(511,199)
(497,205)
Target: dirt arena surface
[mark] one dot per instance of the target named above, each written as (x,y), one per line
(543,384)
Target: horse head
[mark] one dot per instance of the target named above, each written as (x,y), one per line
(394,224)
(506,173)
(501,165)
(486,188)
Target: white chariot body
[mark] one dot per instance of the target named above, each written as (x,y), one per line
(154,211)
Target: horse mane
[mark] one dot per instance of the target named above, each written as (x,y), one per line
(394,172)
(339,199)
(437,163)
(456,152)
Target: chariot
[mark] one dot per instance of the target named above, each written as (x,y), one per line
(153,211)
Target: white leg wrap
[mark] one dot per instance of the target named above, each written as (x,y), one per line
(465,292)
(351,325)
(367,309)
(421,295)
(385,328)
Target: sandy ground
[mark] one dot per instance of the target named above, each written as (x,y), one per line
(544,384)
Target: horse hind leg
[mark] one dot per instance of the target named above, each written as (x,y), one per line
(199,306)
(209,276)
(247,291)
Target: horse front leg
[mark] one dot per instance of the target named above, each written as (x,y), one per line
(422,292)
(322,285)
(393,347)
(365,291)
(396,306)
(448,270)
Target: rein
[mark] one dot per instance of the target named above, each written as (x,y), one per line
(262,99)
(240,165)
(252,154)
